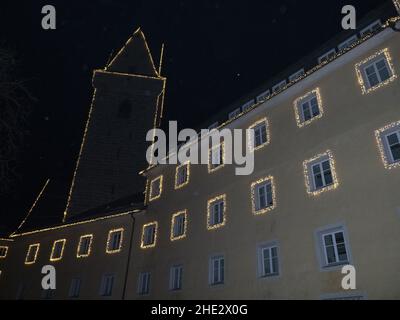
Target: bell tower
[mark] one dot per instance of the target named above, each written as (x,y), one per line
(126,103)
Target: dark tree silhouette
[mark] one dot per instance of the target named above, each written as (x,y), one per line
(15,106)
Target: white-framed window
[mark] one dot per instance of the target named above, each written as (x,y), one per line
(114,240)
(247,105)
(375,71)
(320,173)
(182,174)
(297,75)
(348,42)
(263,195)
(308,108)
(388,139)
(216,157)
(107,284)
(176,276)
(144,283)
(268,260)
(263,96)
(74,288)
(178,227)
(278,87)
(156,188)
(216,212)
(261,134)
(234,113)
(57,250)
(32,253)
(334,247)
(374,26)
(3,252)
(149,235)
(327,56)
(84,246)
(217,270)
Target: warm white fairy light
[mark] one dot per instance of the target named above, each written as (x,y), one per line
(397,5)
(152,194)
(252,141)
(173,220)
(360,72)
(297,107)
(254,185)
(54,256)
(143,243)
(79,253)
(31,254)
(111,233)
(379,135)
(3,251)
(212,167)
(308,173)
(73,224)
(177,169)
(209,212)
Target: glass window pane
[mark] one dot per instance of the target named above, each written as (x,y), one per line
(330,254)
(392,139)
(395,149)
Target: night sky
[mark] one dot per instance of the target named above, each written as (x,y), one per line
(215,52)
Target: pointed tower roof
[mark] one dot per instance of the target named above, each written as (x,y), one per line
(134,57)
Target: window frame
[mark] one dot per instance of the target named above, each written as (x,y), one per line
(213,167)
(55,243)
(254,195)
(211,274)
(298,107)
(251,143)
(36,247)
(348,43)
(248,105)
(373,59)
(383,144)
(234,113)
(109,245)
(103,285)
(174,237)
(309,177)
(325,58)
(261,261)
(143,245)
(263,96)
(72,289)
(172,278)
(79,254)
(179,167)
(157,196)
(368,29)
(210,213)
(4,255)
(321,248)
(279,86)
(297,75)
(141,277)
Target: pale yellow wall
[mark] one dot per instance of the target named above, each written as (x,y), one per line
(89,269)
(365,201)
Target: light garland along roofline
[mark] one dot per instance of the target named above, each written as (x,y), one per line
(31,208)
(288,85)
(138,30)
(5,239)
(73,224)
(133,75)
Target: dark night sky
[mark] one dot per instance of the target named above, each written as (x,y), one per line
(216,51)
